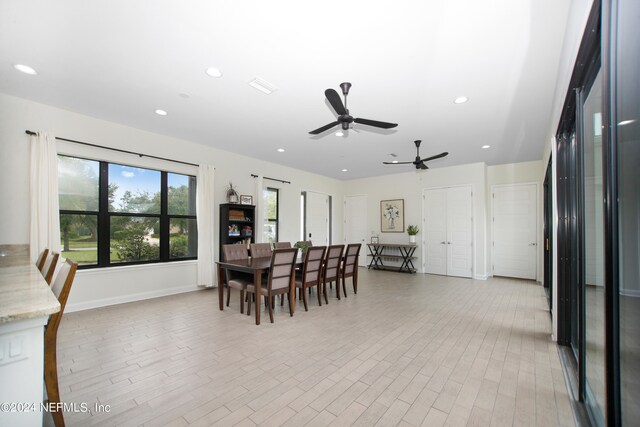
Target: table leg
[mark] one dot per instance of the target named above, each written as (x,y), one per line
(257,286)
(292,295)
(221,287)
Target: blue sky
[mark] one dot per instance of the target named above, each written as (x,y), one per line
(135,180)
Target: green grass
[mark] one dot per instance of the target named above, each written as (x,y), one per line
(82,257)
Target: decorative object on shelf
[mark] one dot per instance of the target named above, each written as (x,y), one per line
(412,230)
(232,194)
(392,216)
(233,230)
(246,200)
(247,231)
(375,239)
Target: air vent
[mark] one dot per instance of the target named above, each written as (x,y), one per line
(262,85)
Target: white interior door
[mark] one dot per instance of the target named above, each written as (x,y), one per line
(514,251)
(355,224)
(317,218)
(434,224)
(459,231)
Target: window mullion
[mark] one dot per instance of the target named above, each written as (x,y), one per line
(164,218)
(103,217)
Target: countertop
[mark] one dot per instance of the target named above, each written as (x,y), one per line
(24,294)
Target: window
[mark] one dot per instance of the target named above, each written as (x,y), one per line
(112,214)
(270,228)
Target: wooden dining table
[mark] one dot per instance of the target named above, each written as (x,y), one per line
(257,267)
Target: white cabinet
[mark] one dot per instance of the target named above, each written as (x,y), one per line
(448,231)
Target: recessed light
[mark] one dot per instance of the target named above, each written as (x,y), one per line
(626,122)
(486,146)
(161,112)
(213,72)
(25,69)
(339,133)
(280,150)
(262,85)
(345,170)
(460,100)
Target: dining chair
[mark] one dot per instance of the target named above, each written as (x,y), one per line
(260,250)
(280,279)
(49,266)
(61,288)
(236,279)
(41,260)
(350,266)
(311,273)
(332,269)
(282,245)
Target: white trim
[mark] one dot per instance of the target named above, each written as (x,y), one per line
(140,296)
(630,293)
(480,277)
(150,266)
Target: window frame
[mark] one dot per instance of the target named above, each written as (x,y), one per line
(275,220)
(104,218)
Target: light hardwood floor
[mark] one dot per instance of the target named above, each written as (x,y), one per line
(407,350)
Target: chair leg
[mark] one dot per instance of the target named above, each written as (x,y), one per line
(355,284)
(324,291)
(304,299)
(249,305)
(270,309)
(228,295)
(344,286)
(51,383)
(281,300)
(241,301)
(318,292)
(338,288)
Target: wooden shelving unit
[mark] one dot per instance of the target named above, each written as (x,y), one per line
(237,224)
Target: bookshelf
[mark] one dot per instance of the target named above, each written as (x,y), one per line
(237,224)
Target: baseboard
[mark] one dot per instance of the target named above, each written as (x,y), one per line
(121,299)
(480,276)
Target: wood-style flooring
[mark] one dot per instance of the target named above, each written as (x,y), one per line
(407,350)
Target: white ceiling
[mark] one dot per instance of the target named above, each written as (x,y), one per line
(407,61)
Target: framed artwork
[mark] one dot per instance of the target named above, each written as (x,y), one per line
(246,200)
(392,216)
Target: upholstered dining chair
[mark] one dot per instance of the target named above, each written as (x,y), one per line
(281,245)
(332,269)
(236,279)
(41,260)
(49,266)
(260,250)
(311,273)
(350,266)
(61,288)
(280,280)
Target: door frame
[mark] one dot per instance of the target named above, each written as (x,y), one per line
(303,226)
(362,262)
(537,223)
(474,260)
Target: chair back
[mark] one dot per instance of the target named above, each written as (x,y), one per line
(283,263)
(350,262)
(41,260)
(234,252)
(50,266)
(260,250)
(313,260)
(332,263)
(282,245)
(61,287)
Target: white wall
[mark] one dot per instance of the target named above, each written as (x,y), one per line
(104,286)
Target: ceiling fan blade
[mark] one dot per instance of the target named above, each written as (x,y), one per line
(323,128)
(421,165)
(437,156)
(375,123)
(397,163)
(335,101)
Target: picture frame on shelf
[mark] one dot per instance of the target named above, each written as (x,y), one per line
(392,216)
(246,200)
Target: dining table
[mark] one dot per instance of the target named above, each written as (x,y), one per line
(258,267)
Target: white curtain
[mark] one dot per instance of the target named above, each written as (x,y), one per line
(205,212)
(43,194)
(259,201)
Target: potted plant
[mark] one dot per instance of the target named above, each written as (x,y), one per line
(412,230)
(232,194)
(302,245)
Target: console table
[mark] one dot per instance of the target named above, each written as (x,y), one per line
(402,253)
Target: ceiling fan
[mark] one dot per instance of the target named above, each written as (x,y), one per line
(418,161)
(344,118)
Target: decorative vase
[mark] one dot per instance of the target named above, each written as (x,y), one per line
(412,239)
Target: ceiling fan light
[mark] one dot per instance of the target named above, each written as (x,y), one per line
(339,133)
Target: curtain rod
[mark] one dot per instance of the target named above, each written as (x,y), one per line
(28,132)
(272,179)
